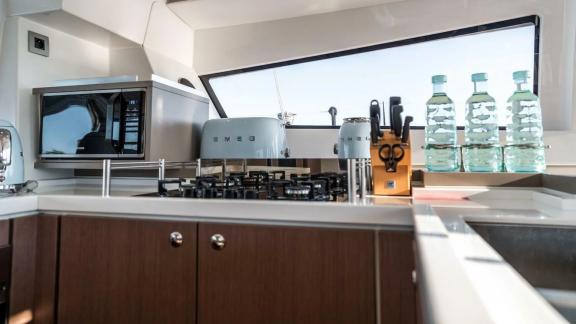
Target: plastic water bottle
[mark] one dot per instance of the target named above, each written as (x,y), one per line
(482,152)
(441,152)
(524,151)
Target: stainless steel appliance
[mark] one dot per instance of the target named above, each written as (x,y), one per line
(145,120)
(11,157)
(354,146)
(262,185)
(244,138)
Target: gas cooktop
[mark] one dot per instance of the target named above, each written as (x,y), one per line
(261,185)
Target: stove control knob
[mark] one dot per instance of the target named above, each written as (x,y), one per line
(218,242)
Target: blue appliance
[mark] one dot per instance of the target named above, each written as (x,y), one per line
(11,157)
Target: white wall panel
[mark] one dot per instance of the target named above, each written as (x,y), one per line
(167,34)
(130,61)
(9,70)
(22,7)
(127,18)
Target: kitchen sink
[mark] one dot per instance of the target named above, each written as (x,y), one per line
(544,255)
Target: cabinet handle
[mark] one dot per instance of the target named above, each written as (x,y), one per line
(218,242)
(176,239)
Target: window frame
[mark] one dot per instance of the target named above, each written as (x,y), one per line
(534,20)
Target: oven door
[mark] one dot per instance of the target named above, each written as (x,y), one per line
(88,125)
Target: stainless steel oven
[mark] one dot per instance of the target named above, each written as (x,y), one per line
(93,124)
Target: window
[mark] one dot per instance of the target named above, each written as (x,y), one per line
(350,80)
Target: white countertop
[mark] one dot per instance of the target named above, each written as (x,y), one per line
(84,198)
(456,287)
(467,273)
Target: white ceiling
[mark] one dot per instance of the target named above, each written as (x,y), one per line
(205,14)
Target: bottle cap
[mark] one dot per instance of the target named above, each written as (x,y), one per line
(520,75)
(437,79)
(479,77)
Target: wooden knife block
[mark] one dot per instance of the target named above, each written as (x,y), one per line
(386,183)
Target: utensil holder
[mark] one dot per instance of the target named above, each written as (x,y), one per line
(384,182)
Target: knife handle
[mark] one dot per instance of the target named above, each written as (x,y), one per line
(375,110)
(397,117)
(394,101)
(375,119)
(406,129)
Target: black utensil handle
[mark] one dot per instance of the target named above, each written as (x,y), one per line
(375,119)
(374,108)
(406,129)
(374,130)
(394,101)
(397,117)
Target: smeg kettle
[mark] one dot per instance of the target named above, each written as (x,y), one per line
(11,157)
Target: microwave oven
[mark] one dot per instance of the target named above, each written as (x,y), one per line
(93,124)
(144,120)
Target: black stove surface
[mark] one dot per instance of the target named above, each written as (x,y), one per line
(259,185)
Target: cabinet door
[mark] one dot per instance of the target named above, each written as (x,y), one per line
(397,290)
(33,277)
(4,232)
(126,271)
(267,274)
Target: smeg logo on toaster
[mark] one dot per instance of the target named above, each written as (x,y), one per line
(231,139)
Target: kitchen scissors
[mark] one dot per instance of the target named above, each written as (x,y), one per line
(391,155)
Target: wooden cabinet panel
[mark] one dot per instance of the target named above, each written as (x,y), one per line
(23,269)
(268,274)
(126,271)
(34,258)
(4,232)
(397,290)
(46,267)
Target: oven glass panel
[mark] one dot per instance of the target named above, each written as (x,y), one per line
(76,124)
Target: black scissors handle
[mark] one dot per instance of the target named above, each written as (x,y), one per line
(395,153)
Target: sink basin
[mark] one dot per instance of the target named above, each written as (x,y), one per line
(544,255)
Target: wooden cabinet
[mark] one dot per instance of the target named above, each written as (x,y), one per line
(126,271)
(33,276)
(271,274)
(4,232)
(5,257)
(5,267)
(398,297)
(118,270)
